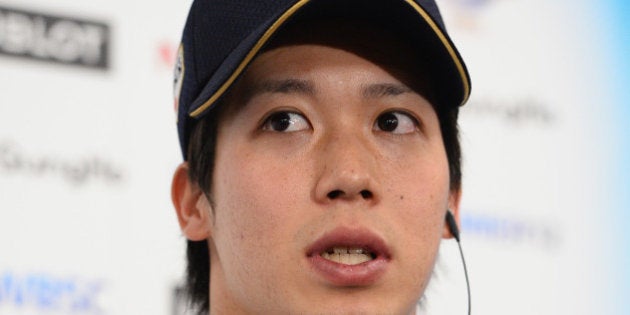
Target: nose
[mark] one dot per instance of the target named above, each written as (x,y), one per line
(347,171)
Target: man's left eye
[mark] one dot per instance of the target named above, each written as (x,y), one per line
(396,122)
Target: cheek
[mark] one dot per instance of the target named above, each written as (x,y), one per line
(415,197)
(255,201)
(421,194)
(257,216)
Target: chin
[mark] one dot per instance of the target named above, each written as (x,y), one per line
(356,301)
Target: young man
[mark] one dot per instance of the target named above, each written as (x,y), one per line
(321,153)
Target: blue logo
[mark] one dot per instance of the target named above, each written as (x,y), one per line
(518,231)
(41,292)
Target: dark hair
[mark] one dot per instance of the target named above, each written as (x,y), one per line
(200,154)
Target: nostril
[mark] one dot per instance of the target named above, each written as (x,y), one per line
(365,194)
(334,194)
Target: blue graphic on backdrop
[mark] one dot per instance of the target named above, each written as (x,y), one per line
(513,230)
(46,293)
(618,16)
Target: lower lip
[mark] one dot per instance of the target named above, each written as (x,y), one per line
(362,274)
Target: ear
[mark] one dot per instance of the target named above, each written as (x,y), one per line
(453,206)
(193,208)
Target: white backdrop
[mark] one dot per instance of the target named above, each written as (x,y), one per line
(87,153)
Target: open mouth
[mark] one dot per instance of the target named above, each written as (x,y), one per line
(348,255)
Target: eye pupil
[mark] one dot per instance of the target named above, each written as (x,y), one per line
(387,122)
(280,121)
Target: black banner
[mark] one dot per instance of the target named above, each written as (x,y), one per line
(55,39)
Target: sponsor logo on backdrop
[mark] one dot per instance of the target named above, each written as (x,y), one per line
(42,293)
(516,231)
(513,111)
(474,3)
(53,38)
(167,53)
(77,171)
(466,13)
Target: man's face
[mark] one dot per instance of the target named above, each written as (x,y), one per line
(330,184)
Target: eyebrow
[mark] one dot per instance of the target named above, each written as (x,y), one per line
(287,86)
(298,86)
(384,89)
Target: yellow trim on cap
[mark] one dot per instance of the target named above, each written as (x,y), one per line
(249,57)
(451,50)
(274,27)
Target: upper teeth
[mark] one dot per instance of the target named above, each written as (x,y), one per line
(347,255)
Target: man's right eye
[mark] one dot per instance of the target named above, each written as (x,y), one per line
(286,122)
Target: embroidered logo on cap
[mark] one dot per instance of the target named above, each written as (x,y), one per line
(178,76)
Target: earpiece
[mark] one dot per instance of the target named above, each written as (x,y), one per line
(452,225)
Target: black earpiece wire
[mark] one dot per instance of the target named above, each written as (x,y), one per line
(452,226)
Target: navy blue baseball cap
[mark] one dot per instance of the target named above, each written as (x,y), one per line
(222,37)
